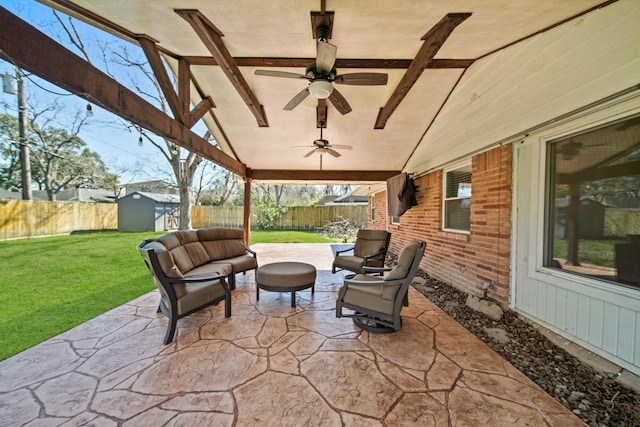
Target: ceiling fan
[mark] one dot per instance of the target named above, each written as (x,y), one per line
(321,75)
(321,146)
(569,150)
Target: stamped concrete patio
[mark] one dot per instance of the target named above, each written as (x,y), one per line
(270,365)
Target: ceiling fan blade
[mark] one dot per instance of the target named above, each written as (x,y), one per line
(334,153)
(275,73)
(341,147)
(310,153)
(362,79)
(326,57)
(339,102)
(297,99)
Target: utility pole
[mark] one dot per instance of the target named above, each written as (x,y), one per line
(25,164)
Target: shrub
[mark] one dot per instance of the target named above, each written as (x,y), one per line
(267,212)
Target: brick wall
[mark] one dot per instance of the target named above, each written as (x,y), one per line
(465,261)
(381,212)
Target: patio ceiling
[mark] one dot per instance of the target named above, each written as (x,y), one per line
(215,48)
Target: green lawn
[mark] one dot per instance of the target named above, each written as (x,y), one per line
(51,284)
(596,252)
(286,236)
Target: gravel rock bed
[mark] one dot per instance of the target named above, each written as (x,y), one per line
(593,396)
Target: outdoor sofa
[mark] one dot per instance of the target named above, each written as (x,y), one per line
(196,268)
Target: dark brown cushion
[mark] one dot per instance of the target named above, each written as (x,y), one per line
(369,242)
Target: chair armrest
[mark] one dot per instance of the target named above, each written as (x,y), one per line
(252,252)
(366,257)
(344,250)
(366,269)
(364,282)
(196,279)
(380,282)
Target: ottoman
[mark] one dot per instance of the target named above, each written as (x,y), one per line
(285,277)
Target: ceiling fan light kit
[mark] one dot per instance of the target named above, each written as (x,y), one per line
(320,89)
(321,74)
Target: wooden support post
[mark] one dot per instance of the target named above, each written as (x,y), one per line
(573,224)
(247,210)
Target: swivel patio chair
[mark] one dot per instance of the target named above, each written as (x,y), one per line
(377,301)
(369,250)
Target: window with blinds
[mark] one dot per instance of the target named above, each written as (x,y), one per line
(457,199)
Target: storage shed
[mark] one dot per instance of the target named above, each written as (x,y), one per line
(140,211)
(591,225)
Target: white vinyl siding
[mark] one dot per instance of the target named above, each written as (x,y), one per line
(602,316)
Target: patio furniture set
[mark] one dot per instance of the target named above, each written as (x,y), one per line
(197,268)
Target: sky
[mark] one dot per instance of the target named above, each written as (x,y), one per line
(105,133)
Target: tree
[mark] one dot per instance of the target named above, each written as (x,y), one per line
(9,152)
(217,186)
(59,158)
(182,162)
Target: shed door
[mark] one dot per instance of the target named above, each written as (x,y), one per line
(171,216)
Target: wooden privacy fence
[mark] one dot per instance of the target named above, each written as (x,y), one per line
(295,218)
(312,217)
(19,218)
(217,216)
(23,218)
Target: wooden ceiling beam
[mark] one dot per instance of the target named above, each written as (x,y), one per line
(23,45)
(340,63)
(200,110)
(150,50)
(179,103)
(597,173)
(211,37)
(184,91)
(433,41)
(315,175)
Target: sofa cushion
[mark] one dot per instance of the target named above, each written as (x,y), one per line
(186,249)
(210,269)
(193,295)
(207,234)
(165,259)
(178,238)
(223,249)
(239,263)
(182,256)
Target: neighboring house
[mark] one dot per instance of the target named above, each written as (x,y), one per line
(88,195)
(347,199)
(574,126)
